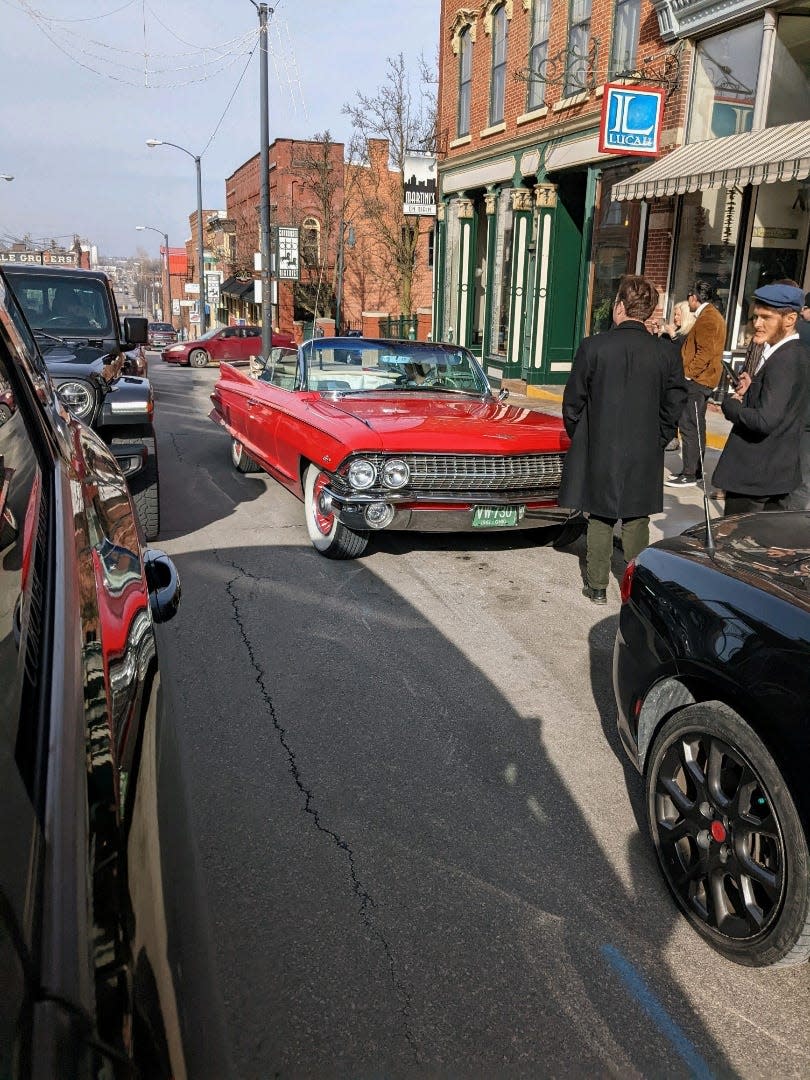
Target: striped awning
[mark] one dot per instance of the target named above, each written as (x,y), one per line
(755,157)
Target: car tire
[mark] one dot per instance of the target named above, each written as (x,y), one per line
(328,535)
(5,414)
(145,490)
(242,461)
(198,358)
(728,837)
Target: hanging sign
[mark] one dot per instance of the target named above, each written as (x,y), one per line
(288,258)
(631,120)
(419,175)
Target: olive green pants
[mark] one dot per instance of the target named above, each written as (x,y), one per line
(635,537)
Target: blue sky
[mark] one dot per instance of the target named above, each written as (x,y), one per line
(86,82)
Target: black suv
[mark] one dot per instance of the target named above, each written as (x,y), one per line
(75,320)
(103,959)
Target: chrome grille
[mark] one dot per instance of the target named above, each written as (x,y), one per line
(480,472)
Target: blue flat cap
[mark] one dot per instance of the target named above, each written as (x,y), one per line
(780,296)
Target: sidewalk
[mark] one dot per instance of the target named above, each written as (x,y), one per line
(682,506)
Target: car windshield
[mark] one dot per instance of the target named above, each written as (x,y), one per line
(64,305)
(161,328)
(209,334)
(362,366)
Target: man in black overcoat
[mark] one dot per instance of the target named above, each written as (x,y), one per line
(621,406)
(760,463)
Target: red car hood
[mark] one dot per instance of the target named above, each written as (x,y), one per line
(422,422)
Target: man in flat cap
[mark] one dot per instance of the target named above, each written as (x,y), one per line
(759,466)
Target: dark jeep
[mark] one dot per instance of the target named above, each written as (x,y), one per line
(79,332)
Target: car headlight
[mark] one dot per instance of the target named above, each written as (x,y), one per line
(395,473)
(362,474)
(77,396)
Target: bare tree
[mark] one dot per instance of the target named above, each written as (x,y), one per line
(405,117)
(319,172)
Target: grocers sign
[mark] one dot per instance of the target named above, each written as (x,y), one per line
(631,120)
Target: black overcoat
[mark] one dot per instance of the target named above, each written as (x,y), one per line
(621,406)
(761,455)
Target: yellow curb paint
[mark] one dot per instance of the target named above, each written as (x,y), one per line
(546,395)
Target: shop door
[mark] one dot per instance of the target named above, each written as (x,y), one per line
(564,317)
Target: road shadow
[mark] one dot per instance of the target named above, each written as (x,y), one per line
(404,884)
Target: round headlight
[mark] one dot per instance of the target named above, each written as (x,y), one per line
(395,473)
(362,474)
(76,396)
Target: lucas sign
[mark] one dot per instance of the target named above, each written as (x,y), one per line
(631,120)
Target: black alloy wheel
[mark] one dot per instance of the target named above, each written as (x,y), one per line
(728,837)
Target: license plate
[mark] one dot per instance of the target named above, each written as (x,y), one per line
(496,517)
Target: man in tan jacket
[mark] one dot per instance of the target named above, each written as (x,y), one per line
(702,354)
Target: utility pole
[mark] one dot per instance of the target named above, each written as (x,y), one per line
(264,165)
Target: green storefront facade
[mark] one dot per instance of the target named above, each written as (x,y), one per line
(529,247)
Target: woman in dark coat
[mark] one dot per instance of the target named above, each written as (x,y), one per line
(621,406)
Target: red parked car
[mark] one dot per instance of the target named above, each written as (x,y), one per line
(231,343)
(400,435)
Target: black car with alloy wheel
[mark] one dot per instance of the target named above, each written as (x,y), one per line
(711,672)
(104,947)
(92,357)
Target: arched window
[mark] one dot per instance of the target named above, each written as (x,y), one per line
(464,81)
(311,240)
(497,87)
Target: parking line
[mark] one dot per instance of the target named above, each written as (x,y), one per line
(656,1012)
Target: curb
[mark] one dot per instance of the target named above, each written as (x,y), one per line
(716,442)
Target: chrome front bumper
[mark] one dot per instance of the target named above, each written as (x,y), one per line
(445,513)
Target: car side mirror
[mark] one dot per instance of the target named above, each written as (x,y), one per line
(163,583)
(136,331)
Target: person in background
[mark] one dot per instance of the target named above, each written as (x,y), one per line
(682,322)
(702,354)
(620,407)
(760,463)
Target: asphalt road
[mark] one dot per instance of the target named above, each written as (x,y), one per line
(417,833)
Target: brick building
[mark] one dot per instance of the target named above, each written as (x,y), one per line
(530,243)
(372,281)
(536,225)
(312,190)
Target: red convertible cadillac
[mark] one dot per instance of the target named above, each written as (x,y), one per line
(391,435)
(232,343)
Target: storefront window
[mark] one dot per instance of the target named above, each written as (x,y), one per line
(615,237)
(778,243)
(789,94)
(502,275)
(725,83)
(707,242)
(479,274)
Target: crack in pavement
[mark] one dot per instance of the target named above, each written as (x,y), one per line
(367,902)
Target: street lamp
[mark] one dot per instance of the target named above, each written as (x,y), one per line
(167,288)
(152,143)
(5,176)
